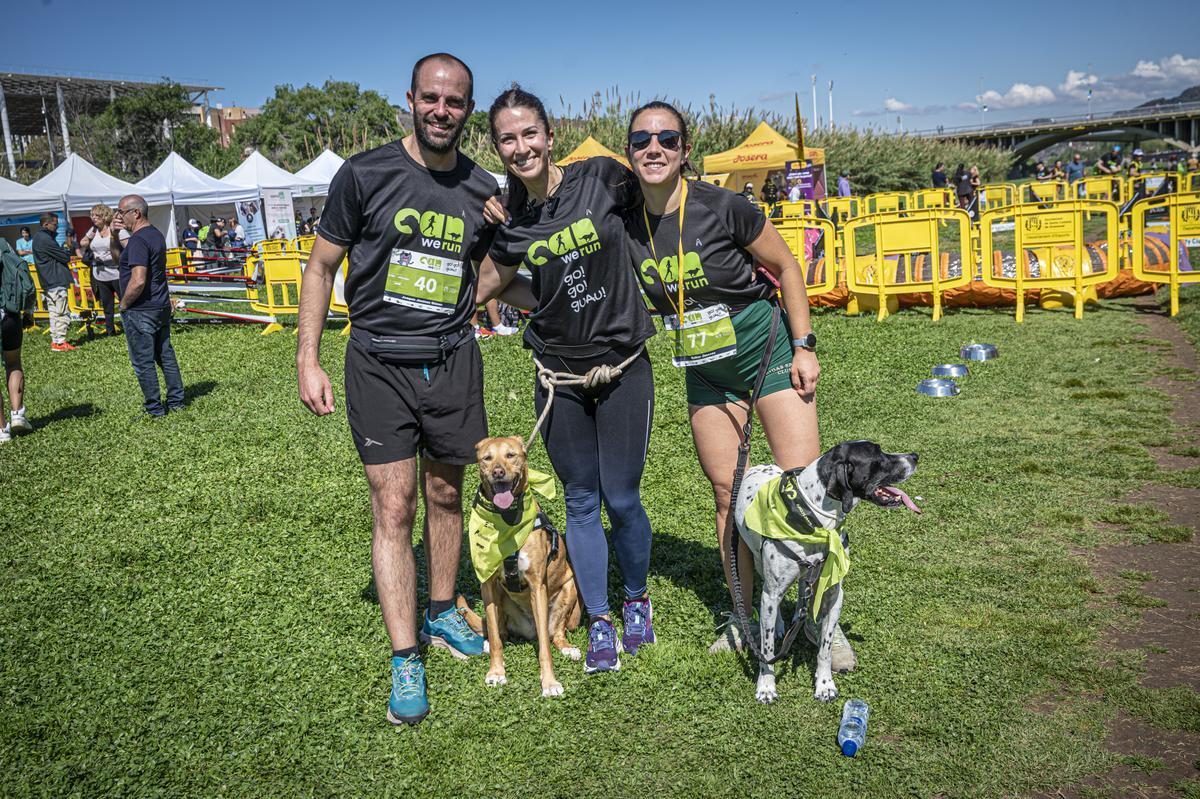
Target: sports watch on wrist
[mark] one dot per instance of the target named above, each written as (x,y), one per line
(806,342)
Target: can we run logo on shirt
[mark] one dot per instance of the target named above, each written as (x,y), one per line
(572,242)
(668,271)
(437,231)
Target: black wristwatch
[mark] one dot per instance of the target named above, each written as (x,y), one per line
(808,342)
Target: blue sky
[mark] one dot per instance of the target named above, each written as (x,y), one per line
(924,62)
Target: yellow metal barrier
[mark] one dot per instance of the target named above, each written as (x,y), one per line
(1147,183)
(997,195)
(1044,191)
(1182,212)
(887,202)
(81,300)
(839,209)
(933,198)
(1100,187)
(270,247)
(1190,181)
(39,310)
(820,274)
(801,208)
(338,304)
(911,254)
(1048,250)
(276,287)
(303,243)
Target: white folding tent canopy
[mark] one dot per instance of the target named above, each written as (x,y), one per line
(322,169)
(20,200)
(259,173)
(80,185)
(197,193)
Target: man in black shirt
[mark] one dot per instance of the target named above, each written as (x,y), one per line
(938,177)
(410,214)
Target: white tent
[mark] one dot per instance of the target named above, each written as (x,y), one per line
(322,169)
(260,173)
(187,187)
(19,200)
(79,186)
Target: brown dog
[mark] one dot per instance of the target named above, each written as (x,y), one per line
(528,586)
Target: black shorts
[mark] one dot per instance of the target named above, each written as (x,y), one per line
(397,411)
(11,332)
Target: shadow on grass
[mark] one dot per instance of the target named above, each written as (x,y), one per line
(197,390)
(80,411)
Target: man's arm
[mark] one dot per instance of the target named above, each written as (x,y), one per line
(316,392)
(137,284)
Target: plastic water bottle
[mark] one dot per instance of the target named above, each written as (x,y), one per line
(852,734)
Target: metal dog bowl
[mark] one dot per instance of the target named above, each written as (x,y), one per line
(950,370)
(979,352)
(938,387)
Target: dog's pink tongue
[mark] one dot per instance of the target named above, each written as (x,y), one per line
(908,503)
(503,500)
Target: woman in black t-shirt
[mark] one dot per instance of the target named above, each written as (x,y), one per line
(719,236)
(565,226)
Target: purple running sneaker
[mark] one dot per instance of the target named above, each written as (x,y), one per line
(603,648)
(638,617)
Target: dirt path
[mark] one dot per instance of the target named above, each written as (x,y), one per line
(1169,635)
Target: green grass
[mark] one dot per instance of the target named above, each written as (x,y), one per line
(187,608)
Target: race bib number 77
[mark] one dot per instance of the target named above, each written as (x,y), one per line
(424,281)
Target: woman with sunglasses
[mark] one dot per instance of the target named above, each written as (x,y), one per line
(718,237)
(566,227)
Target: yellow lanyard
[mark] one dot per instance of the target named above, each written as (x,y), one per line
(683,191)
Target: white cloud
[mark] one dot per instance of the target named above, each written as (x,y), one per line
(1018,96)
(1077,83)
(891,104)
(1173,69)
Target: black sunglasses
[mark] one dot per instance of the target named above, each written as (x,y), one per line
(667,139)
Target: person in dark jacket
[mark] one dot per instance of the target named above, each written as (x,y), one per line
(16,313)
(54,272)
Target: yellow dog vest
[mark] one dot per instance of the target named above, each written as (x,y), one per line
(492,538)
(768,516)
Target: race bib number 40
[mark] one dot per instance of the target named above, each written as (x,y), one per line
(424,281)
(706,335)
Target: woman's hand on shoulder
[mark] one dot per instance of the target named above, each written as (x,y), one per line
(494,212)
(806,371)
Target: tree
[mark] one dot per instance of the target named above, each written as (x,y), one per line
(296,124)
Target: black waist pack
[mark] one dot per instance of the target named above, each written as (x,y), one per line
(410,350)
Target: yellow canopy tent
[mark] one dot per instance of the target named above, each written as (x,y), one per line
(764,151)
(590,148)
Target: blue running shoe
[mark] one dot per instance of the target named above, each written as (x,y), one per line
(408,703)
(603,648)
(638,627)
(450,631)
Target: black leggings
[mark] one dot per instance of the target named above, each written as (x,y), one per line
(107,291)
(597,444)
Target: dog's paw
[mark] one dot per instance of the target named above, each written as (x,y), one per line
(826,690)
(496,678)
(765,691)
(572,652)
(552,689)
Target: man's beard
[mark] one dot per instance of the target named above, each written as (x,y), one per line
(441,148)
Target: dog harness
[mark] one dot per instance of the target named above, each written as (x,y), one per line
(496,534)
(772,514)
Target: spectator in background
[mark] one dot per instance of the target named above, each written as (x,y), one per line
(191,236)
(54,272)
(1075,168)
(770,192)
(938,178)
(1058,172)
(1193,163)
(1040,172)
(146,306)
(959,171)
(748,192)
(1110,162)
(1137,159)
(17,301)
(237,233)
(312,218)
(844,184)
(25,246)
(105,252)
(963,189)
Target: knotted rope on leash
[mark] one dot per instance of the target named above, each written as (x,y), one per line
(599,375)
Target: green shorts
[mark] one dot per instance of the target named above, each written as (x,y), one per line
(732,379)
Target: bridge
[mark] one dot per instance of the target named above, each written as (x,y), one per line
(1179,124)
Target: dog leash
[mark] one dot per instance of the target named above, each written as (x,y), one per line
(598,375)
(730,526)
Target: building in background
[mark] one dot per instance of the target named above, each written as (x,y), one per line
(225,120)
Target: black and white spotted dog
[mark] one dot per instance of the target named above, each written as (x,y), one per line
(829,488)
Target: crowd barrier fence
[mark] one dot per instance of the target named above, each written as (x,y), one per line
(805,236)
(1182,211)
